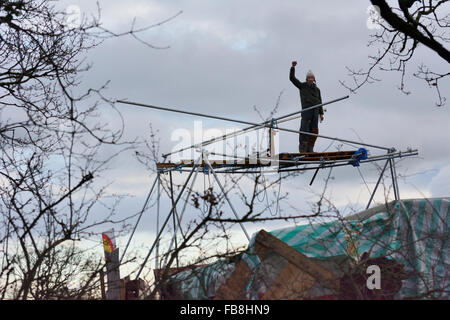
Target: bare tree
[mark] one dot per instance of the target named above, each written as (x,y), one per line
(51,138)
(403,27)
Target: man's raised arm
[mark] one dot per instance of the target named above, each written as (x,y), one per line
(292,77)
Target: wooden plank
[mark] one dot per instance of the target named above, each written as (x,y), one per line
(324,276)
(292,283)
(338,155)
(329,153)
(252,163)
(234,286)
(214,163)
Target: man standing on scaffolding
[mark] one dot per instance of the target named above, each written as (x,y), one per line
(309,96)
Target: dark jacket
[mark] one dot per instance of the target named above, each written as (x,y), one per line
(309,95)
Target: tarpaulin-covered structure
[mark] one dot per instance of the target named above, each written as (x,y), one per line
(310,260)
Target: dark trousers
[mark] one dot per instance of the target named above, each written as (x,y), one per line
(306,142)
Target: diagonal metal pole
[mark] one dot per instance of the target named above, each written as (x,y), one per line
(182,212)
(254,126)
(139,218)
(225,118)
(226,136)
(205,157)
(258,126)
(315,173)
(394,179)
(378,182)
(158,235)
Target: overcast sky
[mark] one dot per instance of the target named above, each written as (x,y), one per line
(226,57)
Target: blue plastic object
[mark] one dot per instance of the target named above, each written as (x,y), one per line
(359,155)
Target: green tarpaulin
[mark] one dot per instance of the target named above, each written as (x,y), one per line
(412,232)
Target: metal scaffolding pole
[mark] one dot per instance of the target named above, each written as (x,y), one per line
(225,118)
(139,218)
(266,124)
(226,136)
(327,164)
(157,220)
(253,126)
(182,212)
(158,235)
(173,216)
(205,157)
(303,162)
(394,179)
(378,182)
(262,159)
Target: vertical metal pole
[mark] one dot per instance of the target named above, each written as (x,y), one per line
(205,157)
(182,212)
(376,186)
(174,218)
(157,220)
(158,235)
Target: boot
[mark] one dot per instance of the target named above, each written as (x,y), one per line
(310,148)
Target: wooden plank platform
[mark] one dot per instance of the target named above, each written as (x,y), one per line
(311,156)
(247,163)
(254,163)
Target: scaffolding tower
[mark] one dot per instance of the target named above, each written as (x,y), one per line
(251,164)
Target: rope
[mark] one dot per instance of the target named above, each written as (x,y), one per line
(266,197)
(268,205)
(263,181)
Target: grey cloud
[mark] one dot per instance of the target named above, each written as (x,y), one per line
(211,68)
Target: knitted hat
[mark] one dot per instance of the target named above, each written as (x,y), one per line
(310,74)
